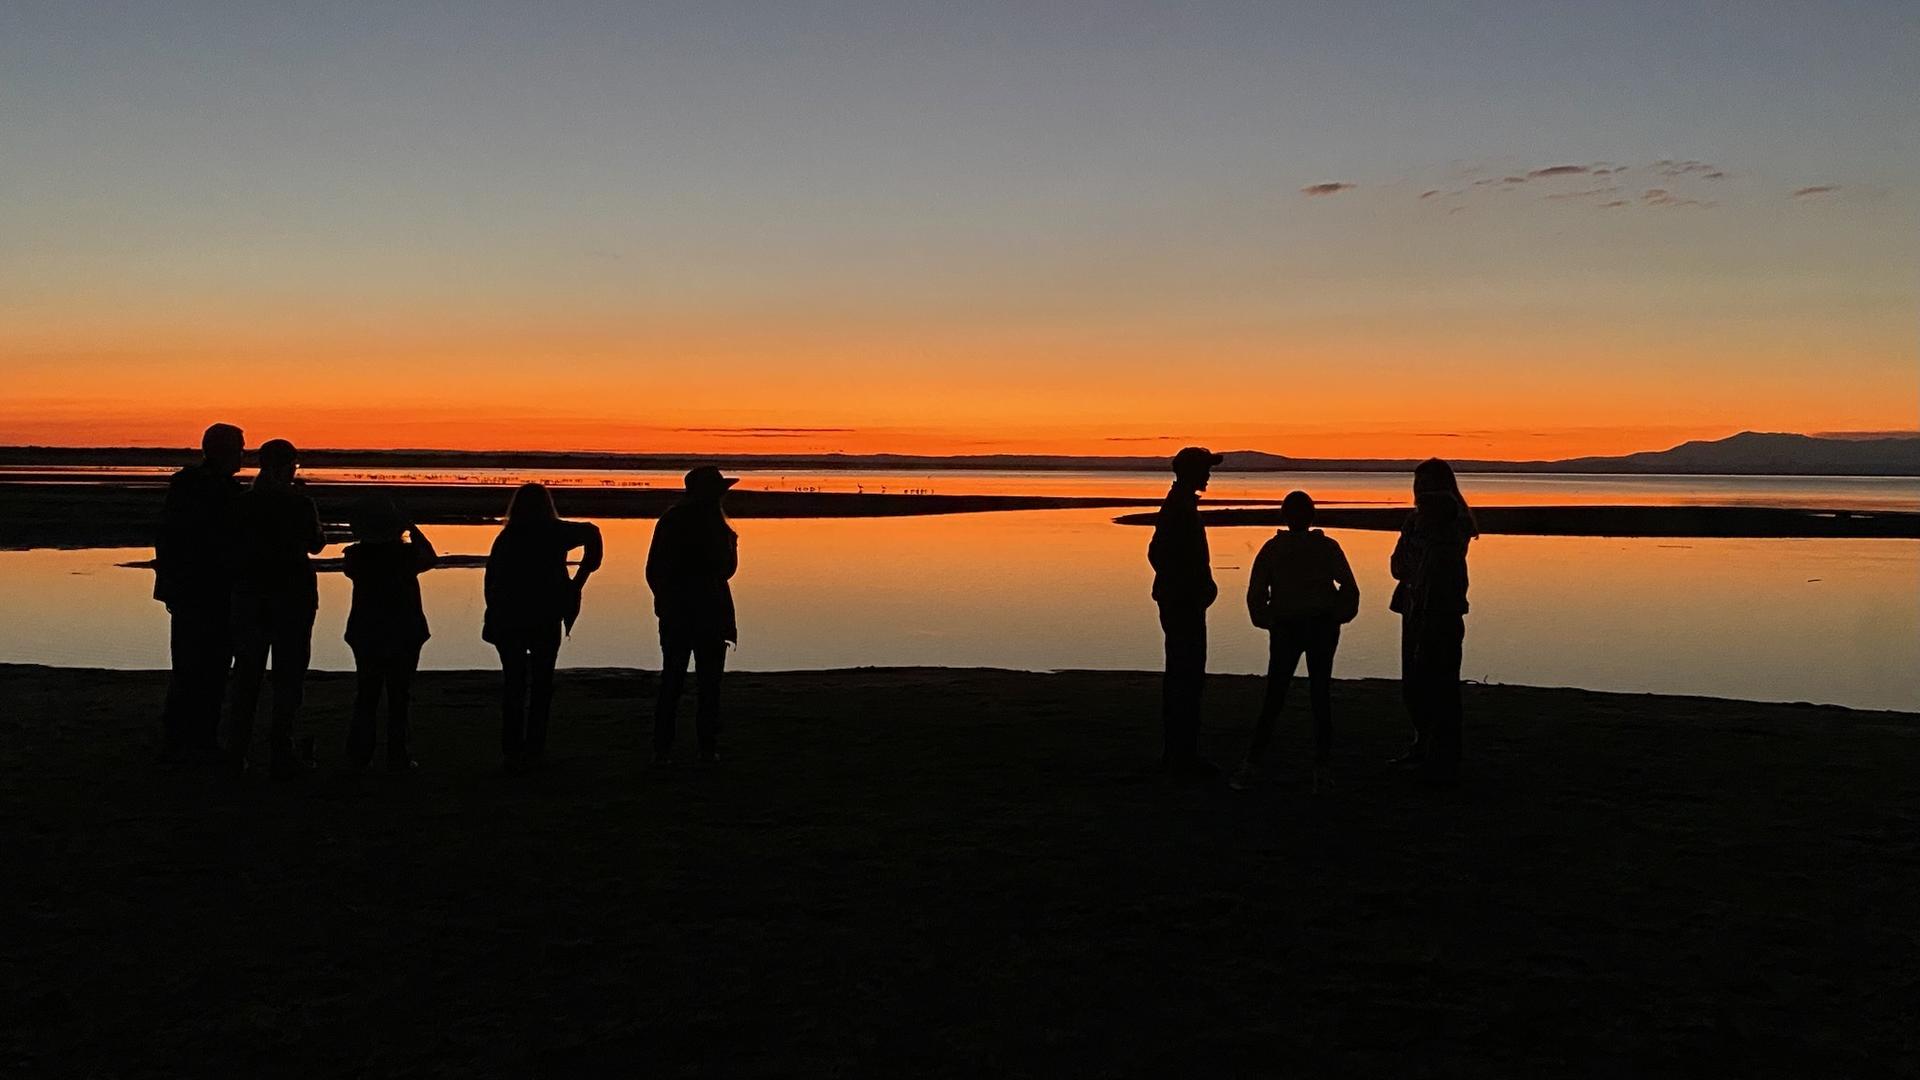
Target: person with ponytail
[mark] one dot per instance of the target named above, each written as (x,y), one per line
(531,602)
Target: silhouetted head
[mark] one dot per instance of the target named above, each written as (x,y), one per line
(1296,510)
(278,461)
(532,505)
(1436,494)
(1193,466)
(222,446)
(376,518)
(705,483)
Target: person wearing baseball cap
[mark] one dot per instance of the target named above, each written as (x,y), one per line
(693,556)
(1183,587)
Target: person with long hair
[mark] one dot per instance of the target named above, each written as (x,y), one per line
(275,596)
(531,601)
(1429,565)
(690,562)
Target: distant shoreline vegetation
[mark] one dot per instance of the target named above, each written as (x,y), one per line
(1746,454)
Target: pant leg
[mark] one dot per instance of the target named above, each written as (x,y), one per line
(543,652)
(251,643)
(199,655)
(1284,645)
(513,695)
(1323,639)
(1411,694)
(676,648)
(710,659)
(399,704)
(1440,657)
(292,628)
(369,678)
(1186,643)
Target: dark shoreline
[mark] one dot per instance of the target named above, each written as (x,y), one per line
(115,514)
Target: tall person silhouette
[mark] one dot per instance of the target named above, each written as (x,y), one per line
(275,595)
(1183,587)
(193,579)
(1429,564)
(530,601)
(1300,591)
(689,566)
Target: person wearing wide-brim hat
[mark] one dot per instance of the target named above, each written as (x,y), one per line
(1183,587)
(692,558)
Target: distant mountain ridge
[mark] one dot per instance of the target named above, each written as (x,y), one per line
(1750,453)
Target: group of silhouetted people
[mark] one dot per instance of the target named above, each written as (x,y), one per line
(1301,591)
(233,565)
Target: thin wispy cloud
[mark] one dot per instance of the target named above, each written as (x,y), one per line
(1817,189)
(1663,197)
(1334,187)
(1586,193)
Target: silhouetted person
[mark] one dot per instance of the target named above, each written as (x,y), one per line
(530,601)
(386,626)
(1430,565)
(1183,588)
(693,555)
(1301,591)
(192,577)
(275,595)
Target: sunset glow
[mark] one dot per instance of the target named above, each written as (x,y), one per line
(959,232)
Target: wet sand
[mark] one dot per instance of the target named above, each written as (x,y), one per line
(964,873)
(82,515)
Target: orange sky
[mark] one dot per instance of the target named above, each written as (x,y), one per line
(960,231)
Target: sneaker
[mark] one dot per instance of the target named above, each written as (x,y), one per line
(709,758)
(1243,777)
(403,768)
(663,761)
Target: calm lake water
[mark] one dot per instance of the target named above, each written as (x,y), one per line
(1834,621)
(1328,488)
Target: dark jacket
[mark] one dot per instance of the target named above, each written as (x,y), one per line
(527,587)
(387,614)
(278,527)
(1429,562)
(191,553)
(1182,566)
(693,555)
(1301,575)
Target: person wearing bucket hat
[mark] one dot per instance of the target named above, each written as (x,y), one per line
(386,626)
(1183,587)
(690,562)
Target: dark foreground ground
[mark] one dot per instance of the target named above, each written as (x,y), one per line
(964,873)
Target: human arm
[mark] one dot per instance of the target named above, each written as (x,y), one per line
(316,535)
(1260,590)
(1405,553)
(424,556)
(586,535)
